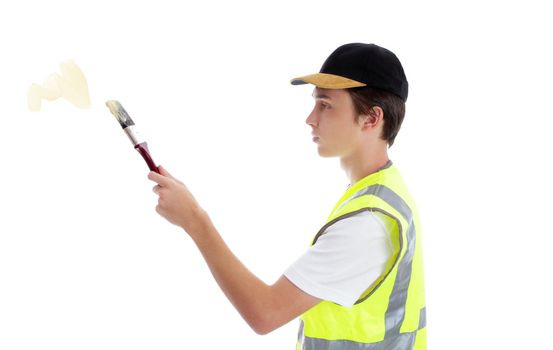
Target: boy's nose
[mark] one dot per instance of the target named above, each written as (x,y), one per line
(311,118)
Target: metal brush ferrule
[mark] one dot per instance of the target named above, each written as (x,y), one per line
(133,135)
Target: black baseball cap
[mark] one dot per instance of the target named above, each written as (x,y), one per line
(358,64)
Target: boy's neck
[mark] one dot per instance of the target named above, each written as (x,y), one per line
(364,162)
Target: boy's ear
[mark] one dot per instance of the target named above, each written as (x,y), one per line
(371,120)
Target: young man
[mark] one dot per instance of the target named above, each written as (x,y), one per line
(360,284)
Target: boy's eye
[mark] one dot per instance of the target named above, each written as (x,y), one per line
(325,106)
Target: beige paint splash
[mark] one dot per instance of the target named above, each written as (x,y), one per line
(71,85)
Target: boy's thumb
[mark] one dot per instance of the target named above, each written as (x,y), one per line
(164,172)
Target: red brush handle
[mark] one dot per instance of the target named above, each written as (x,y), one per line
(142,148)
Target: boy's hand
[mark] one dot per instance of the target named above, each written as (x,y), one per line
(176,203)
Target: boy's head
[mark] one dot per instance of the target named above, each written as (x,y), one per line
(373,77)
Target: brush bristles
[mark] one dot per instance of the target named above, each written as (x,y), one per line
(119,113)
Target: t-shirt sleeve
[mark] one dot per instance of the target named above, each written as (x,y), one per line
(346,259)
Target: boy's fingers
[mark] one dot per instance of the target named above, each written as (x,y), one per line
(156,189)
(160,179)
(164,172)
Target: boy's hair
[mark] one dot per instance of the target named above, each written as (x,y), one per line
(365,98)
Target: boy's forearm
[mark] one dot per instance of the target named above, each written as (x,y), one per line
(249,295)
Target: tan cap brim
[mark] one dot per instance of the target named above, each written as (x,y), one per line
(327,81)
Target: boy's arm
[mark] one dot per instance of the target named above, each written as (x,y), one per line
(264,307)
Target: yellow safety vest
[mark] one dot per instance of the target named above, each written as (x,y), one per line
(391,313)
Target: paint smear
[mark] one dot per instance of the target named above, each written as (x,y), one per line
(70,84)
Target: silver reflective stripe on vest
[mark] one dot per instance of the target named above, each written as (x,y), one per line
(397,342)
(396,306)
(422,318)
(395,314)
(400,341)
(301,339)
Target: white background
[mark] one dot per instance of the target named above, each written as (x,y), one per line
(87,263)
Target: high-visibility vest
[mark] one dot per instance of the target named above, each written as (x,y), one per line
(391,313)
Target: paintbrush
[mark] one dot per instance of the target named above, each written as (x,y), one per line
(130,129)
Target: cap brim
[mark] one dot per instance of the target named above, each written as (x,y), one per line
(327,81)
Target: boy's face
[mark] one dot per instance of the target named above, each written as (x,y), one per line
(333,121)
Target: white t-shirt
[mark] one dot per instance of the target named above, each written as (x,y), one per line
(346,259)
